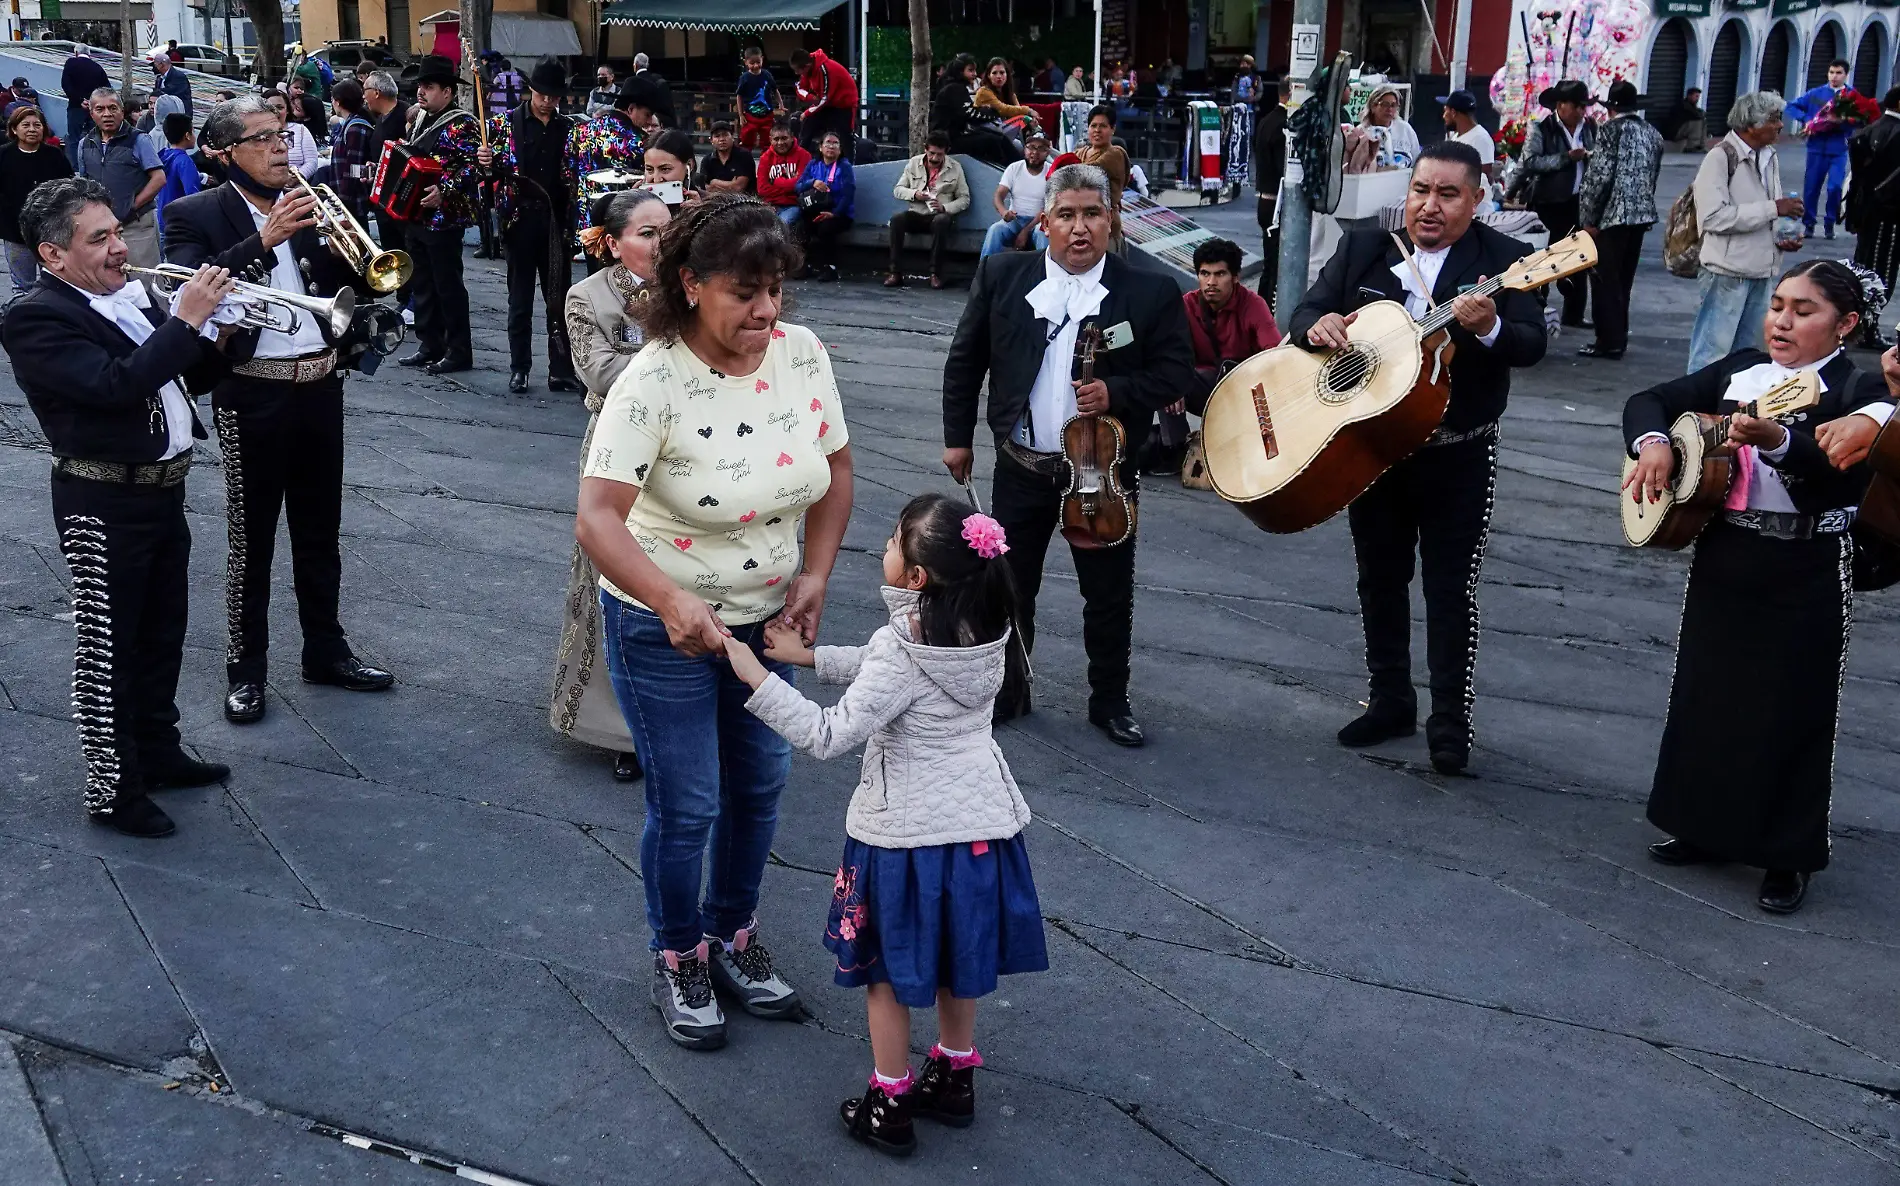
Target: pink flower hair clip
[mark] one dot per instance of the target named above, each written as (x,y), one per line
(985,535)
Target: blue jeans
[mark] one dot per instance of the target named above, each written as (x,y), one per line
(1729,317)
(1827,162)
(713,772)
(23,266)
(1002,233)
(788,215)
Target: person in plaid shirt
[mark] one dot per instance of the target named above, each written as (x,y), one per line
(443,131)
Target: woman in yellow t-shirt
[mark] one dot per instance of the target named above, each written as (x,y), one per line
(720,435)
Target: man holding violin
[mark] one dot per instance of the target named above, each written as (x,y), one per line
(279,413)
(1019,329)
(1433,507)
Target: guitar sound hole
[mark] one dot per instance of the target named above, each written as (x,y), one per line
(1346,373)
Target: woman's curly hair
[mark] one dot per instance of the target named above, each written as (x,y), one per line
(725,234)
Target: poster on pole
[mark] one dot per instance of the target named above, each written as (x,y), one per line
(1307,40)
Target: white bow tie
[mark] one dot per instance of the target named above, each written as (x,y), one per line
(1065,298)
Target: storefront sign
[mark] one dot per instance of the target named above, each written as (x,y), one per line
(1791,7)
(1669,8)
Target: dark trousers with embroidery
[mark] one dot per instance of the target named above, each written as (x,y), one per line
(283,455)
(1029,506)
(128,548)
(532,259)
(441,295)
(1432,509)
(1611,281)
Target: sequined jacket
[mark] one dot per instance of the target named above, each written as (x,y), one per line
(1619,184)
(454,144)
(601,332)
(608,141)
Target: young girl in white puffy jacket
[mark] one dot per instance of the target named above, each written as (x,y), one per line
(934,898)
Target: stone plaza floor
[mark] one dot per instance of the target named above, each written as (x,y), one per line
(416,918)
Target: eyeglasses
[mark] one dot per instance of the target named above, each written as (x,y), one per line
(262,138)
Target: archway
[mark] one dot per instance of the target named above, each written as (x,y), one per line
(1670,58)
(1777,54)
(1870,60)
(1830,42)
(1725,73)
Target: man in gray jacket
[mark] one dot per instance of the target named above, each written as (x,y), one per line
(1736,209)
(1555,154)
(1618,204)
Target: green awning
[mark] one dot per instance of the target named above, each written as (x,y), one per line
(728,16)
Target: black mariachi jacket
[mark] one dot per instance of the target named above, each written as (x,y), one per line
(1001,337)
(1814,485)
(95,392)
(1873,153)
(215,227)
(1360,273)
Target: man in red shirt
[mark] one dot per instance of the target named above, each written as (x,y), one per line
(780,167)
(829,96)
(1228,323)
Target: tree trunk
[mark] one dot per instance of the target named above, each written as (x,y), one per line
(267,18)
(919,74)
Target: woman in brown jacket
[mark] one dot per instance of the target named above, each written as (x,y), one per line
(998,96)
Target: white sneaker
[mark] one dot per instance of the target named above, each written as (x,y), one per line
(743,969)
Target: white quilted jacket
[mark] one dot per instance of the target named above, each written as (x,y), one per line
(932,774)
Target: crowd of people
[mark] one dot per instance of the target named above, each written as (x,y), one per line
(716,470)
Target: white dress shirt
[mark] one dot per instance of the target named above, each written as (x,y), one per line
(308,339)
(1063,301)
(1418,303)
(125,309)
(1766,491)
(1576,142)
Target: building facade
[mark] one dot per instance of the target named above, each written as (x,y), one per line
(1784,46)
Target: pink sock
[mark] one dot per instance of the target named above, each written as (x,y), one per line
(892,1087)
(958,1061)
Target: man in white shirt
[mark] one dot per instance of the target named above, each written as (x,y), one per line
(1464,126)
(1019,197)
(280,414)
(1019,332)
(106,373)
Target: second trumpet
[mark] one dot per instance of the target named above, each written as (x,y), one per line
(260,305)
(383,271)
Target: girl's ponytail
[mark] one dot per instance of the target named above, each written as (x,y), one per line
(970,597)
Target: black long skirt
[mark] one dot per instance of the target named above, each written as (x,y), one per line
(1746,769)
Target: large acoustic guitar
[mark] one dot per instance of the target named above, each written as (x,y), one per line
(1293,435)
(1704,467)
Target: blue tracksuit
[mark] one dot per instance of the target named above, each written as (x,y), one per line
(1827,157)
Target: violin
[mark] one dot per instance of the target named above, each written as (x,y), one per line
(1096,511)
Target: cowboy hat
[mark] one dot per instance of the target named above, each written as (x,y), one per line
(1623,97)
(437,69)
(548,79)
(1568,91)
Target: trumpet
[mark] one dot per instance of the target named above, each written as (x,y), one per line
(383,271)
(260,305)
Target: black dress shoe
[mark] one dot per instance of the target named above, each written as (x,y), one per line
(244,703)
(1450,759)
(182,770)
(350,674)
(1121,729)
(1592,350)
(627,767)
(1680,852)
(1581,324)
(420,358)
(518,381)
(135,815)
(1782,891)
(560,384)
(1375,725)
(448,366)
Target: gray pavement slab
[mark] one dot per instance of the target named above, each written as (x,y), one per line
(29,1160)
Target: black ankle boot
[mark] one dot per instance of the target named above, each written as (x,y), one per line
(1381,722)
(944,1094)
(880,1121)
(1449,740)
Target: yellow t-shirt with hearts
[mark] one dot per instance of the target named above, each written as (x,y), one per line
(725,465)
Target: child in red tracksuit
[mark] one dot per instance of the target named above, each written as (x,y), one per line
(780,167)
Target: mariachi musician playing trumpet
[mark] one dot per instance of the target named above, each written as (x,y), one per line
(1433,507)
(279,414)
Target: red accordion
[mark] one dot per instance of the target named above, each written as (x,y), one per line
(403,175)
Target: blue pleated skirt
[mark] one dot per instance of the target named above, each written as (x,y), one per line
(952,916)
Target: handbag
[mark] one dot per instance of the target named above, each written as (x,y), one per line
(819,201)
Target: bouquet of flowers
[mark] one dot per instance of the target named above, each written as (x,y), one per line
(1849,109)
(1510,138)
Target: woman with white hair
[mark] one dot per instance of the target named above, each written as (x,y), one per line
(1736,208)
(1397,141)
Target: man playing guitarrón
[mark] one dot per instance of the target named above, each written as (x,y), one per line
(1435,504)
(1020,328)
